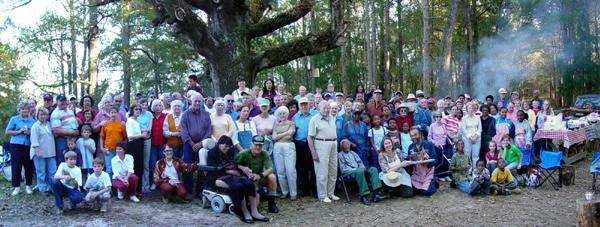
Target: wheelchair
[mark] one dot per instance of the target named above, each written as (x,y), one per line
(217,198)
(5,169)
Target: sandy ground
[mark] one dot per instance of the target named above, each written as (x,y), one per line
(448,207)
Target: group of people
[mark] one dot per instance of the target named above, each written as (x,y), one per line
(273,143)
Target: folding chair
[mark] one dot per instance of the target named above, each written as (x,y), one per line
(5,170)
(595,171)
(550,163)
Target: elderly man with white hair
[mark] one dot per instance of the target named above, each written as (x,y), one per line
(322,141)
(195,127)
(101,119)
(166,100)
(171,127)
(301,93)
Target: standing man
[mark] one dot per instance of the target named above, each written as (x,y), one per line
(502,98)
(248,100)
(32,104)
(304,160)
(138,96)
(72,103)
(536,97)
(64,124)
(176,96)
(322,141)
(330,91)
(280,88)
(284,99)
(514,96)
(277,101)
(229,107)
(369,95)
(195,126)
(118,101)
(257,165)
(375,108)
(48,99)
(193,84)
(302,93)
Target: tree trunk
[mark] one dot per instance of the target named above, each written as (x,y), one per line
(425,80)
(444,73)
(400,49)
(587,213)
(73,48)
(386,49)
(374,43)
(368,42)
(93,50)
(125,36)
(468,35)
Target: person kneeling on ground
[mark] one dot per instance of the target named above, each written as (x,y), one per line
(503,181)
(351,165)
(168,174)
(391,161)
(460,165)
(481,179)
(66,183)
(98,185)
(123,177)
(255,160)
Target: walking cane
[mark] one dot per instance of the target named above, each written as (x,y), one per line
(344,186)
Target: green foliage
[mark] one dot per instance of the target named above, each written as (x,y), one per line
(11,77)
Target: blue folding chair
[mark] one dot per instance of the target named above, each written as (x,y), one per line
(526,156)
(595,171)
(550,163)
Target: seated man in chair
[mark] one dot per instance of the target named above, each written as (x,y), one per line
(257,165)
(350,164)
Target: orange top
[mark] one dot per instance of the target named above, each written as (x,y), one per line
(113,132)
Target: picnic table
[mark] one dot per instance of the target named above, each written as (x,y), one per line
(574,142)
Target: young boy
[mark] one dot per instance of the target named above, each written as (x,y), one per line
(405,139)
(481,179)
(98,185)
(503,181)
(66,183)
(72,146)
(87,147)
(110,134)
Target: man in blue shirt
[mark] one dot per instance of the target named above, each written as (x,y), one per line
(304,160)
(502,98)
(229,107)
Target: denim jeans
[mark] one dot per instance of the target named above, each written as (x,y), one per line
(465,186)
(146,175)
(189,156)
(484,185)
(88,197)
(45,169)
(60,146)
(59,190)
(156,153)
(107,159)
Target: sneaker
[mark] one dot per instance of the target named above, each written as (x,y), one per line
(326,200)
(293,198)
(134,199)
(333,197)
(516,191)
(165,200)
(153,187)
(494,192)
(16,191)
(44,193)
(283,196)
(28,190)
(120,194)
(59,211)
(103,207)
(441,179)
(447,178)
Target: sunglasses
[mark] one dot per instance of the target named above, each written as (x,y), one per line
(137,109)
(230,101)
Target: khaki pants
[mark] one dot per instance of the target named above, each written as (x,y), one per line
(326,168)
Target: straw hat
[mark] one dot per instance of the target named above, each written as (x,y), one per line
(392,179)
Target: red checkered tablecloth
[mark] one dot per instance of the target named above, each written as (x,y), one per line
(572,136)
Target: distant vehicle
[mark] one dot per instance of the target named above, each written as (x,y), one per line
(588,102)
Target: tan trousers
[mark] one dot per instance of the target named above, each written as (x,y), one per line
(326,168)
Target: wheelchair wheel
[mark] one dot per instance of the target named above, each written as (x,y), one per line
(231,209)
(205,202)
(218,204)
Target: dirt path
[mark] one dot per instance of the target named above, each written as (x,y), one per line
(447,207)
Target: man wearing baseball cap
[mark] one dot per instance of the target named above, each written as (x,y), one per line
(502,98)
(64,124)
(48,100)
(376,108)
(257,165)
(72,103)
(304,160)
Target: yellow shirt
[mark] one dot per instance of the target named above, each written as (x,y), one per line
(221,125)
(321,128)
(502,177)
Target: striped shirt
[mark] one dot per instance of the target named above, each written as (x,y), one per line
(451,124)
(64,119)
(282,128)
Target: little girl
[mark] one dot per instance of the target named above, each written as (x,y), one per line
(366,118)
(492,156)
(405,139)
(376,135)
(394,134)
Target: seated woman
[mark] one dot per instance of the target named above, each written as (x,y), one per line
(511,154)
(391,160)
(167,174)
(242,189)
(124,178)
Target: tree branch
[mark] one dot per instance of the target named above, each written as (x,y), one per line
(14,5)
(258,9)
(267,26)
(203,5)
(311,44)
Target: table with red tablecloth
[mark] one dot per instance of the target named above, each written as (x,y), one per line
(569,137)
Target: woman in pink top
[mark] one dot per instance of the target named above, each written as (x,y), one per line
(452,124)
(437,135)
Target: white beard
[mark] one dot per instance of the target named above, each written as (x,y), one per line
(411,107)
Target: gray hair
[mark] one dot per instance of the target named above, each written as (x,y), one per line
(175,102)
(323,103)
(219,101)
(163,95)
(196,94)
(436,113)
(21,105)
(154,103)
(309,96)
(281,109)
(343,142)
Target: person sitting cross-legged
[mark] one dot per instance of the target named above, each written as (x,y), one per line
(351,165)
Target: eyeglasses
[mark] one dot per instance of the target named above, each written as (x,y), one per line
(168,151)
(437,117)
(230,101)
(137,109)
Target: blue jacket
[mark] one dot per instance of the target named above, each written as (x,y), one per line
(420,119)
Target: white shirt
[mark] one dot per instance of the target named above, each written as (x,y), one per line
(166,132)
(132,127)
(95,183)
(75,173)
(122,167)
(170,172)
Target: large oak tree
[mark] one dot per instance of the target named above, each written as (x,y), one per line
(224,38)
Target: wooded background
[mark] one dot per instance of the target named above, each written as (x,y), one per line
(443,47)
